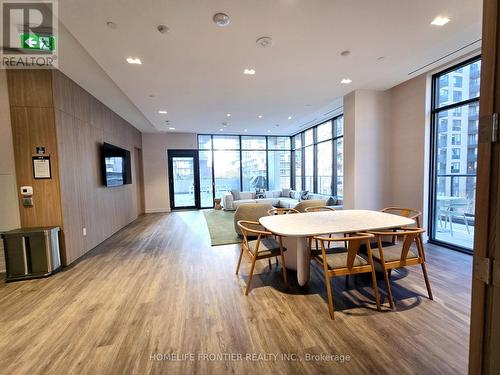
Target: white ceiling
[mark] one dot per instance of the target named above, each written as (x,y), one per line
(195,72)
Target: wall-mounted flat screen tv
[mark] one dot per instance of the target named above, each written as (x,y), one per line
(116,166)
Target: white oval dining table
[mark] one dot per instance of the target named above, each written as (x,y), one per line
(296,228)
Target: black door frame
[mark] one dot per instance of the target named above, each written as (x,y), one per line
(196,165)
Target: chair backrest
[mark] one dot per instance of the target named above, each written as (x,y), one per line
(282,211)
(251,229)
(250,212)
(409,236)
(301,206)
(405,212)
(319,208)
(353,245)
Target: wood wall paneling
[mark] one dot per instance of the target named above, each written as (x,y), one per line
(33,127)
(83,125)
(30,88)
(49,109)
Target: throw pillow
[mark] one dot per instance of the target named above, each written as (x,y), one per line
(331,201)
(269,194)
(285,193)
(303,194)
(236,195)
(247,195)
(295,194)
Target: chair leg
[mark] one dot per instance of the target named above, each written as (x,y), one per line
(283,266)
(269,262)
(388,286)
(421,243)
(427,283)
(466,224)
(330,298)
(375,288)
(346,281)
(239,259)
(251,275)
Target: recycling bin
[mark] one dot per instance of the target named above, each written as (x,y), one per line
(31,252)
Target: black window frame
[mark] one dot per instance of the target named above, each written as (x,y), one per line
(435,110)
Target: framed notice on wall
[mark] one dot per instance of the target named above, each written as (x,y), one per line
(41,167)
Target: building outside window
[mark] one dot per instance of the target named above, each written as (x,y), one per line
(318,161)
(454,157)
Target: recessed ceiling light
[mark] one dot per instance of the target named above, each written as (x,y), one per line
(171,128)
(250,72)
(440,21)
(260,116)
(228,115)
(221,19)
(245,130)
(289,117)
(346,81)
(162,112)
(269,131)
(221,129)
(134,60)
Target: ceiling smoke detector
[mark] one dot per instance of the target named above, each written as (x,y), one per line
(345,53)
(112,25)
(221,19)
(264,41)
(162,29)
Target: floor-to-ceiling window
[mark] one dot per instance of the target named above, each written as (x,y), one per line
(242,163)
(279,162)
(318,158)
(297,161)
(253,163)
(455,120)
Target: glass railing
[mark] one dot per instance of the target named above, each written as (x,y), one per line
(454,210)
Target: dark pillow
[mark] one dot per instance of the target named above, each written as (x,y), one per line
(303,194)
(331,201)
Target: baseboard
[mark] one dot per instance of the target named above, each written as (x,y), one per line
(157,210)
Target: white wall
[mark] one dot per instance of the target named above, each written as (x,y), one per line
(154,154)
(410,144)
(366,154)
(9,209)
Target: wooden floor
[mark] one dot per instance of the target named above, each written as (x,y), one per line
(157,289)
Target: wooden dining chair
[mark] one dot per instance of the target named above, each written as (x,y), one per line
(342,261)
(282,211)
(319,208)
(400,255)
(264,247)
(405,212)
(410,213)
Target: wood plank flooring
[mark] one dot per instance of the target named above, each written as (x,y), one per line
(157,289)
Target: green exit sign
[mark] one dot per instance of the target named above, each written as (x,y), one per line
(38,42)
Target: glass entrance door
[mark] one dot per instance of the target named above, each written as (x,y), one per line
(183,179)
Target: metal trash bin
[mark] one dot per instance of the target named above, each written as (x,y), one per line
(31,252)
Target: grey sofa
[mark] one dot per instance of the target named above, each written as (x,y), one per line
(284,198)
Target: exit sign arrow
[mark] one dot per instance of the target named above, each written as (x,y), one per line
(31,42)
(38,42)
